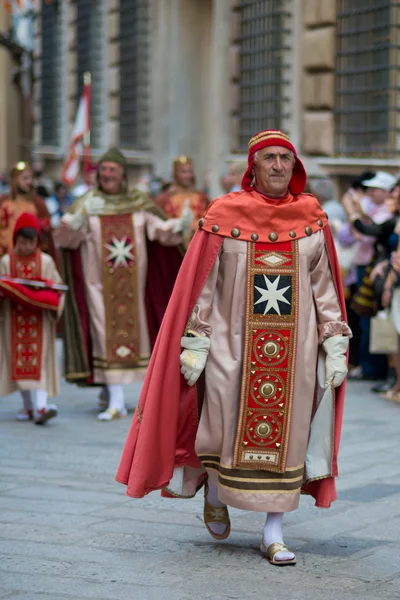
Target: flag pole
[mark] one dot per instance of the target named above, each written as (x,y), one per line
(87,85)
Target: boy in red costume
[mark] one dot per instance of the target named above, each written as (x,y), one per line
(28,317)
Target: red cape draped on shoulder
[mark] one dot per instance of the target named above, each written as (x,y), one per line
(164,426)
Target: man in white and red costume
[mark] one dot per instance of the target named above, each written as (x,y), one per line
(257,322)
(120,270)
(28,317)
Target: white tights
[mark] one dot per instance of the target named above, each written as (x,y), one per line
(116,395)
(272,529)
(40,399)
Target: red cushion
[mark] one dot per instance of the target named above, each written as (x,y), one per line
(33,298)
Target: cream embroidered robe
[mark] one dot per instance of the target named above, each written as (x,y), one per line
(114,262)
(49,376)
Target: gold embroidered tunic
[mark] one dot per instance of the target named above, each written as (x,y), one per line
(221,314)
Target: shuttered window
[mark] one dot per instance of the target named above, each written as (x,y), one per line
(134,74)
(262,85)
(367,75)
(51,85)
(91,40)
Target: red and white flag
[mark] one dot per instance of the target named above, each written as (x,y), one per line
(78,144)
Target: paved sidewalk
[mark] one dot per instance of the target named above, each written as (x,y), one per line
(67,531)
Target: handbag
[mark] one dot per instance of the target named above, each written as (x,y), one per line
(383,338)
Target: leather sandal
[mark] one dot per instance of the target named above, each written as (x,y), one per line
(271,551)
(392,396)
(216,514)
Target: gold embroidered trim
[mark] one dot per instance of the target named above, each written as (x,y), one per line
(262,437)
(267,135)
(120,291)
(139,413)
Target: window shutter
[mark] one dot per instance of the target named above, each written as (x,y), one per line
(134,74)
(51,87)
(261,74)
(367,71)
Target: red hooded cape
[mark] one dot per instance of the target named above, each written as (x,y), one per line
(164,426)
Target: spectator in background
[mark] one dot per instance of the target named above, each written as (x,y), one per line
(232,180)
(324,191)
(89,182)
(57,205)
(373,205)
(42,184)
(386,241)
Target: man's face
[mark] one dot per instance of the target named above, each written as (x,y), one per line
(378,196)
(111,176)
(184,175)
(273,171)
(24,181)
(24,246)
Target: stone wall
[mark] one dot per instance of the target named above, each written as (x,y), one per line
(318,93)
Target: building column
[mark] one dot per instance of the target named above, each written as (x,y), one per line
(218,99)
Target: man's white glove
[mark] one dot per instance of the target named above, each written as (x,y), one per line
(335,365)
(184,223)
(75,220)
(194,357)
(94,205)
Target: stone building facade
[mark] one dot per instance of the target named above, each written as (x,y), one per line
(198,77)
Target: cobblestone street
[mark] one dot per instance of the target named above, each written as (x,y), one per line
(67,531)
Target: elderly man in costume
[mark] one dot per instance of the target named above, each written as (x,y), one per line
(183,190)
(112,304)
(23,198)
(257,325)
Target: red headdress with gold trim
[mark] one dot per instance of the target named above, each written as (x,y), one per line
(274,137)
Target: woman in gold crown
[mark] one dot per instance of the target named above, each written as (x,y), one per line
(183,188)
(23,199)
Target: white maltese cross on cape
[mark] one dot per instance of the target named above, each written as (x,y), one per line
(120,253)
(272,294)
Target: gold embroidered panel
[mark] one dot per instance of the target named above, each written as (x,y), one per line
(120,292)
(26,324)
(269,357)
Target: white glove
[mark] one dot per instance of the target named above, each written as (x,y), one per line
(194,357)
(75,220)
(94,205)
(336,363)
(184,223)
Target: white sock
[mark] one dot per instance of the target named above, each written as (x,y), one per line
(212,497)
(273,534)
(116,394)
(41,399)
(27,400)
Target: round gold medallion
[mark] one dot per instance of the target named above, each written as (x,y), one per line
(267,390)
(215,228)
(270,349)
(308,230)
(235,232)
(292,234)
(201,222)
(254,237)
(263,430)
(273,236)
(320,223)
